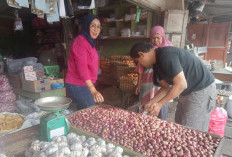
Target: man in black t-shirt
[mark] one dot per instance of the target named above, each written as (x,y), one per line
(179,73)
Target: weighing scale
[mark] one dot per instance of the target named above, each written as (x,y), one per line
(53,124)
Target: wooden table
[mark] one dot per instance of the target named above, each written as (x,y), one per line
(16,143)
(222,75)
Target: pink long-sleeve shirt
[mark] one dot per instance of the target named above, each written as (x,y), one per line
(82,63)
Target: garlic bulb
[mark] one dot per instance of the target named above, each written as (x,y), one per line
(110,146)
(51,149)
(83,139)
(39,154)
(85,152)
(65,150)
(57,154)
(101,142)
(115,155)
(35,146)
(75,140)
(73,146)
(76,147)
(95,149)
(75,153)
(118,150)
(44,145)
(71,135)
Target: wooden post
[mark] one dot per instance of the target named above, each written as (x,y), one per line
(149,23)
(67,30)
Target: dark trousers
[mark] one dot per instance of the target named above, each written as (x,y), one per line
(81,95)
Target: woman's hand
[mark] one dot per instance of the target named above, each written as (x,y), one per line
(96,95)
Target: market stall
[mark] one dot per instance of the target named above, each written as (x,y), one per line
(132,132)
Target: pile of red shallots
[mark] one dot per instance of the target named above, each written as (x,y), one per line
(145,134)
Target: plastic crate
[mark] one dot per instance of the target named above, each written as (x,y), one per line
(53,71)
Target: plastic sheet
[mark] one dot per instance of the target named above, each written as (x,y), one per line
(15,66)
(7,96)
(26,106)
(4,83)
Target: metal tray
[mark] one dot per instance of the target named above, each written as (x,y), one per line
(52,104)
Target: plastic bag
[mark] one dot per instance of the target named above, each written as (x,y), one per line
(229,107)
(26,106)
(15,66)
(4,83)
(23,3)
(7,96)
(38,67)
(218,121)
(18,24)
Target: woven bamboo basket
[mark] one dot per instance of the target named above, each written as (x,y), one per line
(128,82)
(121,65)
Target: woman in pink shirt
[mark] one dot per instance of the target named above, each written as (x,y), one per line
(83,65)
(145,86)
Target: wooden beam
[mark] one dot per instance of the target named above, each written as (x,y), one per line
(222,14)
(217,6)
(145,4)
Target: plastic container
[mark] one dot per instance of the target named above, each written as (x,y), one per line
(218,121)
(229,107)
(53,70)
(57,86)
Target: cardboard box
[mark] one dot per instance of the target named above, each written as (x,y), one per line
(15,80)
(30,76)
(36,86)
(57,80)
(27,69)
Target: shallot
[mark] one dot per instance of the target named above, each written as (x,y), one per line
(145,134)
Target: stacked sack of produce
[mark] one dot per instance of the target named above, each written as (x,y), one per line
(7,96)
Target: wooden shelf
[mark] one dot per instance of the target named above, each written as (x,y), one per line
(132,37)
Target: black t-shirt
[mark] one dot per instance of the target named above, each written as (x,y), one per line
(170,61)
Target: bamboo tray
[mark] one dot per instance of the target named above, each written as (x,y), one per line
(217,153)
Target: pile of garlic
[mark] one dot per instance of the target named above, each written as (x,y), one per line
(74,146)
(2,155)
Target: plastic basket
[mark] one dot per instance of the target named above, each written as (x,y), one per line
(53,71)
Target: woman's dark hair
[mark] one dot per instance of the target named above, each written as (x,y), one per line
(140,47)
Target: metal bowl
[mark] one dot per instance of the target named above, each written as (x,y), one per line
(53,103)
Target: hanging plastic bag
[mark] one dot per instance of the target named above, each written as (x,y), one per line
(218,121)
(13,3)
(68,8)
(86,4)
(40,5)
(53,17)
(34,10)
(18,25)
(23,3)
(62,11)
